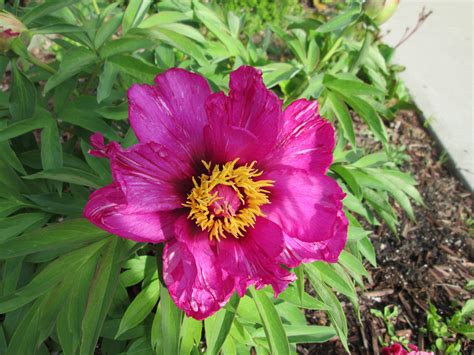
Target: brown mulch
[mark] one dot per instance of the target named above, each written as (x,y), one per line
(431,260)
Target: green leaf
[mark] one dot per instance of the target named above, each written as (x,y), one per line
(75,60)
(70,175)
(298,334)
(170,320)
(191,332)
(371,160)
(335,311)
(274,331)
(275,73)
(22,94)
(220,30)
(369,115)
(125,45)
(135,67)
(367,250)
(49,277)
(12,226)
(218,326)
(343,116)
(140,307)
(180,42)
(134,14)
(163,18)
(334,279)
(350,87)
(106,81)
(8,154)
(107,29)
(292,295)
(12,269)
(313,56)
(352,263)
(348,177)
(101,293)
(51,149)
(46,8)
(88,119)
(342,20)
(68,326)
(75,231)
(18,128)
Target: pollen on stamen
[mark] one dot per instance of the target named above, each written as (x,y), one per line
(226,201)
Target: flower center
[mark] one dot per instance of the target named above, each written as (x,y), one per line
(227,199)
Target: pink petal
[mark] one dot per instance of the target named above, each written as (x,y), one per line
(171,112)
(107,207)
(191,271)
(245,123)
(305,141)
(298,251)
(253,259)
(308,209)
(149,175)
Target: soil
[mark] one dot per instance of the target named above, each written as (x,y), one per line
(430,260)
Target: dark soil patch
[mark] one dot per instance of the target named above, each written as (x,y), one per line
(431,260)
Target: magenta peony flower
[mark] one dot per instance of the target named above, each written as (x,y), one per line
(397,349)
(234,187)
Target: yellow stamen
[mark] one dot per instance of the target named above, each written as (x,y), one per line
(251,193)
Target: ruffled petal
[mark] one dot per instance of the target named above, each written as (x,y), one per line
(149,175)
(244,124)
(297,251)
(107,209)
(254,259)
(308,208)
(171,112)
(192,272)
(306,141)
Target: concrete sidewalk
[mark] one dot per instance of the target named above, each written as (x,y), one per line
(439,74)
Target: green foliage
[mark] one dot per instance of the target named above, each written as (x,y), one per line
(447,333)
(259,14)
(69,285)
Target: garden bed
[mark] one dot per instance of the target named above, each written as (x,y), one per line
(430,260)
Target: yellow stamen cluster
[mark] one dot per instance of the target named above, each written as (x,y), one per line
(251,193)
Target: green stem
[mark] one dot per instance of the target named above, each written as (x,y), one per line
(40,64)
(96,7)
(92,78)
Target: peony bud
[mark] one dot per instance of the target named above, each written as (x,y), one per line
(10,28)
(380,10)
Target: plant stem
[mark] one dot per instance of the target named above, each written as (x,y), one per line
(40,64)
(96,7)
